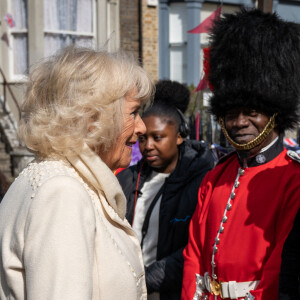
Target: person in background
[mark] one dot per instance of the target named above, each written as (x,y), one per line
(161,190)
(248,203)
(63,232)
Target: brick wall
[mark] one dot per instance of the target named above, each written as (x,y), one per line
(150,40)
(129,26)
(129,33)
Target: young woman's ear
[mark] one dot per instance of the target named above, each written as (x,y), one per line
(179,139)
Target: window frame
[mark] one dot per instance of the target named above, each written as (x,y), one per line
(12,32)
(32,22)
(105,33)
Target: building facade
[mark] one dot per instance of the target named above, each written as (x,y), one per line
(33,29)
(180,55)
(154,31)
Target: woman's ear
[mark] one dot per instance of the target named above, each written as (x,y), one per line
(179,139)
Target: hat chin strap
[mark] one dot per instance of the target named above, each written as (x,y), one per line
(255,142)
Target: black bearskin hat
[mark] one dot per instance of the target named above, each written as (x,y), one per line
(254,61)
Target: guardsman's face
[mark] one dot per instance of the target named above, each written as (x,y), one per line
(245,124)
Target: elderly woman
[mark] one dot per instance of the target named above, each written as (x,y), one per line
(63,232)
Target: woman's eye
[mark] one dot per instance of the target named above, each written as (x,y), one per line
(135,113)
(157,138)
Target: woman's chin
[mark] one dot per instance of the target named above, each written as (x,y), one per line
(124,163)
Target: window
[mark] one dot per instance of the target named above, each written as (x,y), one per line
(178,42)
(19,36)
(42,27)
(67,22)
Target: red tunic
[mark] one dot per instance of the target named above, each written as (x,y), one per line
(261,216)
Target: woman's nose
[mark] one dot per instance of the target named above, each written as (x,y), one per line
(149,144)
(140,127)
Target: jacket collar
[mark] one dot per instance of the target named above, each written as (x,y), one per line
(264,156)
(100,177)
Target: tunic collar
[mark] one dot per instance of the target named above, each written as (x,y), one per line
(264,156)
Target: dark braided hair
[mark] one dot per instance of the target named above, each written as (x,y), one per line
(169,97)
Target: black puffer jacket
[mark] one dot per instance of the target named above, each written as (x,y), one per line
(179,199)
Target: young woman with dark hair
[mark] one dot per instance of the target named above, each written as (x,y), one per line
(161,189)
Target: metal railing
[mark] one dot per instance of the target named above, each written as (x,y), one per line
(6,87)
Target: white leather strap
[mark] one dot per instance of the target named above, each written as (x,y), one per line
(235,290)
(230,289)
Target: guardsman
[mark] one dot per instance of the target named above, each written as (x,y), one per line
(248,203)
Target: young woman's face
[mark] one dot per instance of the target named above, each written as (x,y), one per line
(158,144)
(119,156)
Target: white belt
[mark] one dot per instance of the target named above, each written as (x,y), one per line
(230,289)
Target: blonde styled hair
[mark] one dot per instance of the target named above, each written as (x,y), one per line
(74,91)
